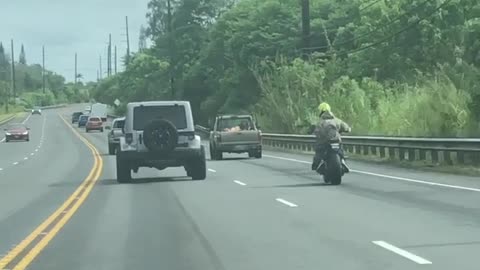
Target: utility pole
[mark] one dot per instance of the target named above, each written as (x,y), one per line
(101,72)
(14,90)
(98,76)
(115,59)
(127,60)
(305,27)
(76,74)
(171,48)
(109,61)
(43,68)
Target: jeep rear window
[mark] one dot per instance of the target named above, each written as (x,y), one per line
(144,114)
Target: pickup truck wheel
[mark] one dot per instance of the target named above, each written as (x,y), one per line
(212,152)
(258,154)
(218,155)
(198,168)
(111,149)
(124,173)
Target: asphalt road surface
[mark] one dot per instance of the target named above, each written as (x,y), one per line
(269,213)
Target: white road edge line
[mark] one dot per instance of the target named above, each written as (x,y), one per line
(36,150)
(402,252)
(15,163)
(211,170)
(389,176)
(2,140)
(26,119)
(31,154)
(286,202)
(240,183)
(25,158)
(1,169)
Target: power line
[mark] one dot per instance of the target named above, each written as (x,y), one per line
(372,31)
(412,25)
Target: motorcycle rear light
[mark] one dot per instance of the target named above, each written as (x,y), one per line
(129,138)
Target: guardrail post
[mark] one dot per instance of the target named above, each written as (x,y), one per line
(422,154)
(365,150)
(447,157)
(411,154)
(357,149)
(434,156)
(460,157)
(373,150)
(391,153)
(401,154)
(382,151)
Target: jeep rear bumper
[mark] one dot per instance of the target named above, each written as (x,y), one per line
(178,157)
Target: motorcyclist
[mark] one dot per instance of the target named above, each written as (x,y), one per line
(328,131)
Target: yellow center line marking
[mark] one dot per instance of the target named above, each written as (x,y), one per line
(78,195)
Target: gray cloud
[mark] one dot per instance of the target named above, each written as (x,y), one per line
(68,26)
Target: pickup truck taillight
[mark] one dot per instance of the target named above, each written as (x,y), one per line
(129,138)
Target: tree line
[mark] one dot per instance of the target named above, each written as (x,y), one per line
(29,84)
(404,67)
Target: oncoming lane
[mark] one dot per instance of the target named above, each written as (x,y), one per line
(15,152)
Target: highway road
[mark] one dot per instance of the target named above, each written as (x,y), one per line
(272,213)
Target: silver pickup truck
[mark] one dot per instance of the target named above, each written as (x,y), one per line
(235,134)
(114,135)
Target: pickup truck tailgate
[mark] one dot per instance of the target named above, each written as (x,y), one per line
(240,137)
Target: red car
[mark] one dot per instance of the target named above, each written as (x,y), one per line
(94,123)
(17,132)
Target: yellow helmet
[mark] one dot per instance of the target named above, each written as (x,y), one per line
(324,107)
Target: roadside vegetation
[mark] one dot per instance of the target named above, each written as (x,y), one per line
(406,67)
(29,85)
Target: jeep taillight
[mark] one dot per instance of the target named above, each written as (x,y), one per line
(129,138)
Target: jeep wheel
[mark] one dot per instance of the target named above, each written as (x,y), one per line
(198,168)
(124,173)
(160,136)
(111,149)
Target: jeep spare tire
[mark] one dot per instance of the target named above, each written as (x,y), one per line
(160,135)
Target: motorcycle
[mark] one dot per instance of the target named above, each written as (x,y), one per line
(332,169)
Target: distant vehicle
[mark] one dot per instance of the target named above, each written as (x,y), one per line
(17,132)
(94,123)
(160,134)
(88,108)
(100,110)
(235,134)
(115,134)
(37,110)
(82,121)
(76,116)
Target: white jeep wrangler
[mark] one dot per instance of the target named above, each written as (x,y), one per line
(160,134)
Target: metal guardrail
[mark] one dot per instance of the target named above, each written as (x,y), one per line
(449,151)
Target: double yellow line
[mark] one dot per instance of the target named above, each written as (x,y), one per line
(24,253)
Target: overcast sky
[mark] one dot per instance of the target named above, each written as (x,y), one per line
(69,26)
